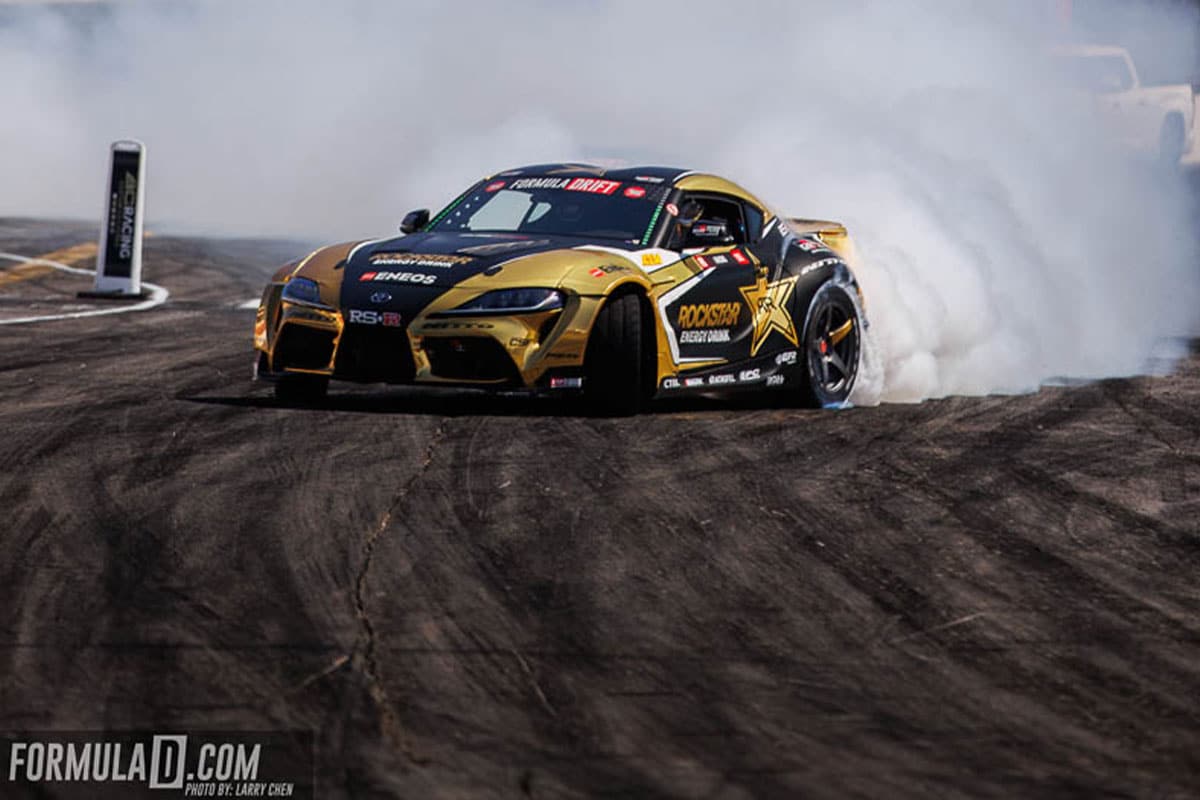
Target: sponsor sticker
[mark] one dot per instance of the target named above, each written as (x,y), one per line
(672,209)
(540,183)
(389,319)
(720,259)
(703,262)
(721,380)
(566,383)
(635,192)
(810,246)
(648,179)
(593,186)
(652,259)
(495,186)
(607,269)
(749,375)
(398,277)
(774,380)
(709,315)
(693,382)
(589,185)
(456,326)
(502,247)
(739,257)
(786,357)
(418,260)
(705,336)
(671,383)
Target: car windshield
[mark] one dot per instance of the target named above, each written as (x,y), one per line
(588,207)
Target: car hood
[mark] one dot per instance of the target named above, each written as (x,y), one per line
(408,272)
(447,259)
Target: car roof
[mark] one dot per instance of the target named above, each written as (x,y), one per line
(568,169)
(686,179)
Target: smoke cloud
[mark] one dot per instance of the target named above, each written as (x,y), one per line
(1003,239)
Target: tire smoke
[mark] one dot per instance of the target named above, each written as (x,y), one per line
(1003,240)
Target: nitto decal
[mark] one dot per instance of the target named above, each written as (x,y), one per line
(389,319)
(398,277)
(825,262)
(418,260)
(705,336)
(710,315)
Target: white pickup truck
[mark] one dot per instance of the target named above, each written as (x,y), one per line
(1155,120)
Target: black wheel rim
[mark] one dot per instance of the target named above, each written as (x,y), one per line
(832,347)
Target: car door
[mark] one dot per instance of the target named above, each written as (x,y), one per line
(709,314)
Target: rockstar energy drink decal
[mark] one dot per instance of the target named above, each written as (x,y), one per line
(709,315)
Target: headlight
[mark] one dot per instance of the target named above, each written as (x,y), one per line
(513,301)
(303,292)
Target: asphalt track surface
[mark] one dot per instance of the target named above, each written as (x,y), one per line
(469,596)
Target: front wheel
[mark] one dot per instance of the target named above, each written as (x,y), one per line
(832,347)
(616,365)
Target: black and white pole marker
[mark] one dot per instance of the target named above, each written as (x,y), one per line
(119,261)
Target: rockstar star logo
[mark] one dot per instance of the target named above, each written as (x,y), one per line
(768,303)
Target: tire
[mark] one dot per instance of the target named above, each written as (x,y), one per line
(616,365)
(831,347)
(1171,141)
(301,389)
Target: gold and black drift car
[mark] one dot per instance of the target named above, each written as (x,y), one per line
(620,284)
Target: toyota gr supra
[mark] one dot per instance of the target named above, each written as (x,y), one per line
(621,285)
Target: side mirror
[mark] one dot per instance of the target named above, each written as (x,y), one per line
(415,220)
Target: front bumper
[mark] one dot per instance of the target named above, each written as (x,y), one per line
(532,351)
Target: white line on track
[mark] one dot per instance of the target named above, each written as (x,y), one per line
(158,295)
(248,305)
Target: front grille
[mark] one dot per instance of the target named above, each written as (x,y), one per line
(303,347)
(472,358)
(374,355)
